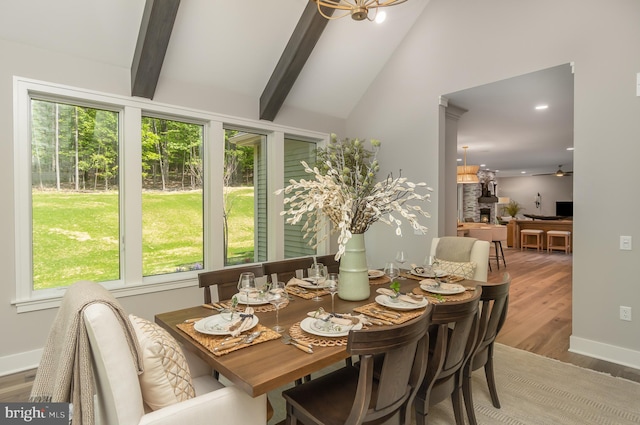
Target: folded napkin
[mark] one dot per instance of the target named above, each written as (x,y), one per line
(341,319)
(242,323)
(294,281)
(413,299)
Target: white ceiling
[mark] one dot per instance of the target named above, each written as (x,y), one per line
(236,45)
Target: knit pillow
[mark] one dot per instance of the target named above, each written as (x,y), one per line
(166,378)
(464,269)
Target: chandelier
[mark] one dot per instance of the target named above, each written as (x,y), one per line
(467,173)
(358,9)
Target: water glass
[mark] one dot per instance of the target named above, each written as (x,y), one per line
(391,270)
(277,298)
(318,275)
(401,258)
(246,284)
(332,287)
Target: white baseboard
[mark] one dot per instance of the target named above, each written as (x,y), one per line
(20,362)
(610,353)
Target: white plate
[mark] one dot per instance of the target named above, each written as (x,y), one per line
(374,274)
(242,299)
(308,284)
(217,325)
(426,273)
(443,289)
(400,305)
(309,325)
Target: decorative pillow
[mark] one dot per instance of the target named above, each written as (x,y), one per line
(166,378)
(466,270)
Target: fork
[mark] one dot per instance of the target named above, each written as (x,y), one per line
(307,348)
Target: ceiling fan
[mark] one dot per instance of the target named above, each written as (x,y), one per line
(559,173)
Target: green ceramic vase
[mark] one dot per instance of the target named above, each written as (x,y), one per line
(354,273)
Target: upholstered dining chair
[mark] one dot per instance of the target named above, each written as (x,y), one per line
(494,302)
(451,339)
(225,280)
(463,250)
(356,395)
(483,234)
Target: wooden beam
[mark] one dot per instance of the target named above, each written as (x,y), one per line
(295,55)
(155,31)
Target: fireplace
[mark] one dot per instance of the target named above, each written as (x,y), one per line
(485,215)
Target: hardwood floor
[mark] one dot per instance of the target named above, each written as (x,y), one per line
(539,316)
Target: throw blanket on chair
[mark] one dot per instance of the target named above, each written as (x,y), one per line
(453,248)
(65,373)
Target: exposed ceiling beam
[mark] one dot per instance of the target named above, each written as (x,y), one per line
(153,39)
(295,55)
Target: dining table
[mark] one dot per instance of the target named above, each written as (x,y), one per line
(262,367)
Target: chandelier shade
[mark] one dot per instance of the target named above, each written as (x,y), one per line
(467,173)
(358,9)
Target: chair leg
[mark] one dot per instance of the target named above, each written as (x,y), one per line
(468,397)
(456,400)
(495,247)
(491,382)
(420,409)
(504,261)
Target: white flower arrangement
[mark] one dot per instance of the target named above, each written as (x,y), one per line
(344,190)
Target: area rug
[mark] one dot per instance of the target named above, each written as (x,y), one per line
(536,390)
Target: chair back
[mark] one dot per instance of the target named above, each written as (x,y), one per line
(226,280)
(499,233)
(479,254)
(118,399)
(493,306)
(286,269)
(333,265)
(402,351)
(452,339)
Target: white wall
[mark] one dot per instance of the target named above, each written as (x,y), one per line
(524,190)
(23,335)
(456,45)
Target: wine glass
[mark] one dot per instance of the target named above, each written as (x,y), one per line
(246,284)
(332,287)
(391,270)
(401,258)
(318,275)
(277,298)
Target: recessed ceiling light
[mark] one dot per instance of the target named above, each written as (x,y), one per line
(523,172)
(483,165)
(497,171)
(570,148)
(540,107)
(459,159)
(380,17)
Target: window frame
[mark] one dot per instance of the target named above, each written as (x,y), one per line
(130,111)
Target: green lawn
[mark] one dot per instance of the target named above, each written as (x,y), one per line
(75,235)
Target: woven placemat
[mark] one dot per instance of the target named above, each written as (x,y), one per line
(307,294)
(210,342)
(380,280)
(319,341)
(394,316)
(438,298)
(450,279)
(261,308)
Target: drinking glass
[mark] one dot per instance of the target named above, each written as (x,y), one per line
(401,258)
(391,270)
(318,275)
(332,287)
(277,298)
(246,284)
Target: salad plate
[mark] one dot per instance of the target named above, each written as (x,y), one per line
(374,274)
(443,289)
(252,299)
(386,301)
(429,273)
(218,325)
(312,326)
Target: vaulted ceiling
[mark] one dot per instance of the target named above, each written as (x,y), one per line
(261,49)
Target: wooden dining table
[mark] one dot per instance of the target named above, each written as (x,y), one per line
(260,368)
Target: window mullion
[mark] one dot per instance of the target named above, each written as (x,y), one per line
(213,159)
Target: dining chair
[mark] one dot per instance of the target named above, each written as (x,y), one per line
(333,265)
(463,249)
(451,339)
(494,302)
(286,269)
(356,395)
(225,280)
(483,234)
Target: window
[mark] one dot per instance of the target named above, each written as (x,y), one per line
(74,194)
(142,196)
(172,197)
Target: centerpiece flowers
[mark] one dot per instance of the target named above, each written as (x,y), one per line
(344,190)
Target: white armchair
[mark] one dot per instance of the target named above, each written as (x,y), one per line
(479,254)
(119,396)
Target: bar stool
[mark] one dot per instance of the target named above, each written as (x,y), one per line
(524,238)
(553,237)
(498,234)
